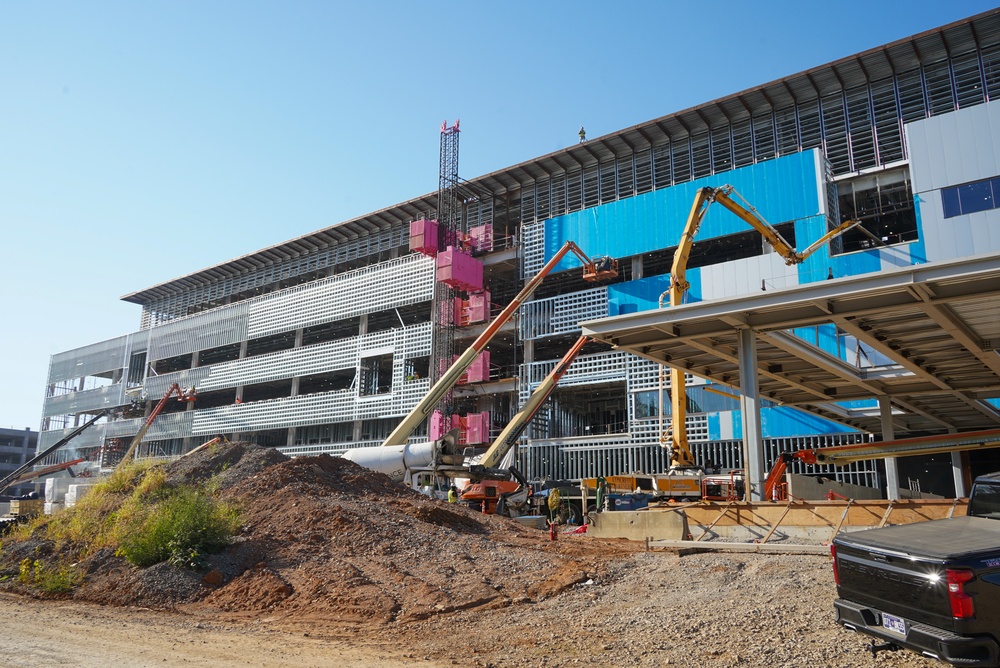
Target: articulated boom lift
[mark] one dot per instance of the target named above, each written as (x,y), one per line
(596,269)
(839,455)
(186,395)
(680,451)
(511,496)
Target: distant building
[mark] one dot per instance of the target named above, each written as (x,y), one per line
(324,342)
(17,446)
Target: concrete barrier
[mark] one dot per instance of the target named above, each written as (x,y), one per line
(639,524)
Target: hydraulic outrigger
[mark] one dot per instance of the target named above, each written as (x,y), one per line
(680,450)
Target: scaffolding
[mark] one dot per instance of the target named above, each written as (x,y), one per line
(450,229)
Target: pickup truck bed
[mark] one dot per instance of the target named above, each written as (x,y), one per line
(894,585)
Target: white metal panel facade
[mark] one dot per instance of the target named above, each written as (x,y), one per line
(951,150)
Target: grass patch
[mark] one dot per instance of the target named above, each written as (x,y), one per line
(53,580)
(136,513)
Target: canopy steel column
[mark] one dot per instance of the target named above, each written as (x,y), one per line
(958,475)
(889,434)
(753,442)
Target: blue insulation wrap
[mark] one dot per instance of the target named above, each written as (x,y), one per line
(783,190)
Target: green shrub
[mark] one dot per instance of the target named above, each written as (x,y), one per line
(59,580)
(181,528)
(137,514)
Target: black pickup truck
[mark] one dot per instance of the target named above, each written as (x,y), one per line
(932,587)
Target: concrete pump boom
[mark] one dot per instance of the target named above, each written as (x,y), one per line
(593,270)
(508,437)
(182,395)
(680,450)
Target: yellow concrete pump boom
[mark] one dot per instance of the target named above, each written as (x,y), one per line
(593,270)
(680,455)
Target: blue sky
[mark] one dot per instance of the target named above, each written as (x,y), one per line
(141,141)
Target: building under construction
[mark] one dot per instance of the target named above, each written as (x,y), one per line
(324,342)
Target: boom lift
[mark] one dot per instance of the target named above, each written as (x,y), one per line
(839,455)
(186,394)
(593,270)
(16,476)
(492,484)
(680,450)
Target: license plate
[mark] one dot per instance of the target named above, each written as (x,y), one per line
(894,624)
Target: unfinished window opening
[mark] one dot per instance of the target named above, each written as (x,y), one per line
(700,399)
(218,355)
(137,368)
(379,429)
(375,375)
(172,364)
(331,331)
(884,204)
(262,391)
(270,438)
(327,382)
(592,410)
(413,314)
(318,434)
(416,368)
(216,399)
(270,344)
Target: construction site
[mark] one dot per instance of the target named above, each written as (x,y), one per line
(542,403)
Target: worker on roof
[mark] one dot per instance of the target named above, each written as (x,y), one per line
(583,135)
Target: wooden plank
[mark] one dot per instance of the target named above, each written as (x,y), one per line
(718,546)
(888,511)
(716,521)
(775,525)
(843,517)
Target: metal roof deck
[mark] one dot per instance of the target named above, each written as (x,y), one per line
(939,324)
(872,65)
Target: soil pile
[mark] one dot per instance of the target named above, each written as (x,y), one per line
(325,538)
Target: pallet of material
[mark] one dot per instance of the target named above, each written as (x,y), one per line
(26,506)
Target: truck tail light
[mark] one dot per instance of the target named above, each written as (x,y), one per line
(836,571)
(961,603)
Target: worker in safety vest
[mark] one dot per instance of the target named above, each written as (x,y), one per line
(452,495)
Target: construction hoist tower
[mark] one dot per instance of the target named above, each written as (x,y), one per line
(450,231)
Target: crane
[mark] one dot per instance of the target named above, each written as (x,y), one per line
(600,268)
(680,450)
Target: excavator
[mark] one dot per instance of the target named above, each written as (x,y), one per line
(680,451)
(401,460)
(491,488)
(839,455)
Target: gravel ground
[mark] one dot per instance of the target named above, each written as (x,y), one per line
(333,557)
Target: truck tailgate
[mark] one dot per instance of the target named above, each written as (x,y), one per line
(901,569)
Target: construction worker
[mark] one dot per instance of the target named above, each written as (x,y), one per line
(452,495)
(583,135)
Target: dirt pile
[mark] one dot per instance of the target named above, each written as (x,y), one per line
(325,538)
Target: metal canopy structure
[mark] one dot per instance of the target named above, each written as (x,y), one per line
(937,327)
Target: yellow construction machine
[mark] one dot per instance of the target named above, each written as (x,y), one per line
(680,451)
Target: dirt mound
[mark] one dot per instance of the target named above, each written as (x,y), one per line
(228,463)
(325,539)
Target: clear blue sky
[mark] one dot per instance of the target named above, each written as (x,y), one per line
(141,141)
